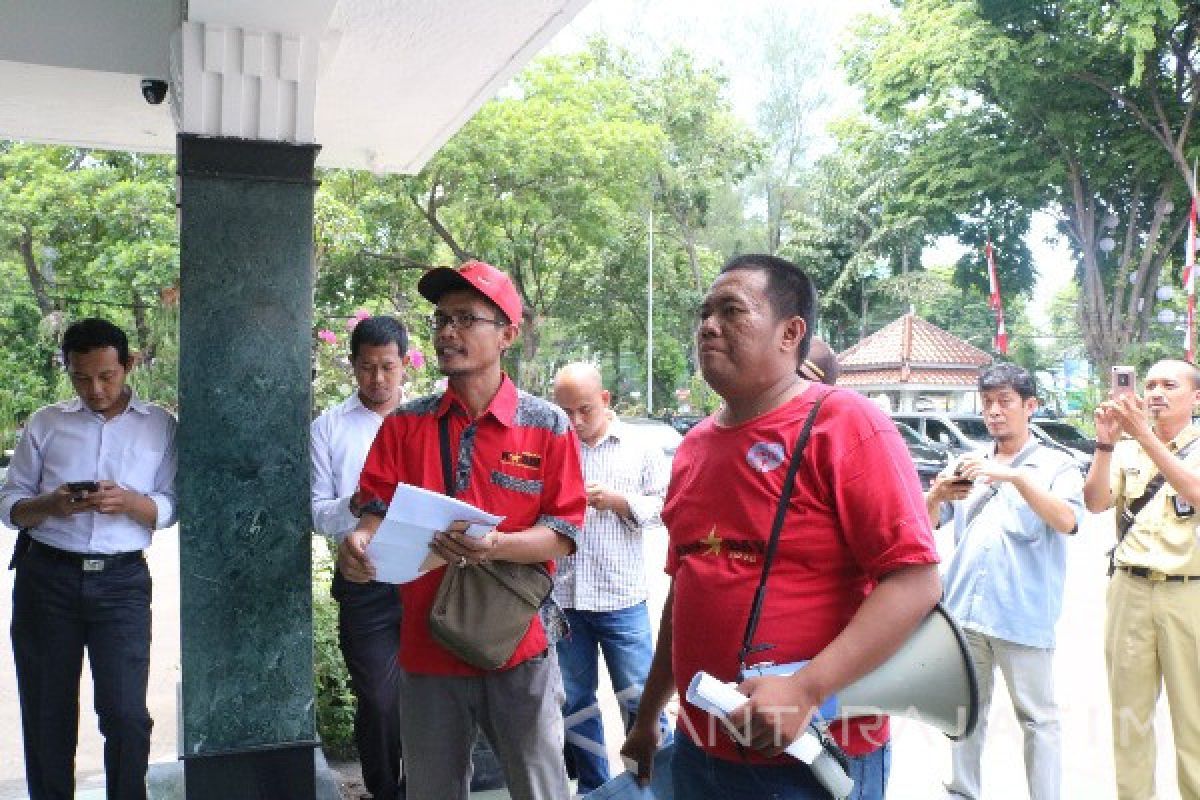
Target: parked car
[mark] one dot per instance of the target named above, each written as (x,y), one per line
(959,432)
(683,422)
(1041,429)
(1065,434)
(929,457)
(658,431)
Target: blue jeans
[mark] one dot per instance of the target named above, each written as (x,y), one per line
(625,639)
(699,776)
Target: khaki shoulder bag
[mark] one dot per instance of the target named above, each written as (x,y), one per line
(482,612)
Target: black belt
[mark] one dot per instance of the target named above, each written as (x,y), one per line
(1155,575)
(88,562)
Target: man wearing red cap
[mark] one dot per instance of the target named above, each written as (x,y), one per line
(514,455)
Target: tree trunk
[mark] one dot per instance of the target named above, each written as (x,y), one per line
(141,327)
(37,281)
(526,353)
(1114,321)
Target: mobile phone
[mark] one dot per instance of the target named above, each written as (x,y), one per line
(1123,381)
(958,478)
(83,486)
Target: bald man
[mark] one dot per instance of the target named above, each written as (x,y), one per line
(602,586)
(821,364)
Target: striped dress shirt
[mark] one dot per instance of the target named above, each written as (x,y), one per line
(606,572)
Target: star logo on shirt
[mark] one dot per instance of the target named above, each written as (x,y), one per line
(712,542)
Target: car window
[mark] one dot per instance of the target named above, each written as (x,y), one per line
(1062,431)
(908,434)
(939,432)
(973,428)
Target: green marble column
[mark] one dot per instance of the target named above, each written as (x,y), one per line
(244,394)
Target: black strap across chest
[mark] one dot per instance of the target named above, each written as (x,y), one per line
(785,496)
(444,442)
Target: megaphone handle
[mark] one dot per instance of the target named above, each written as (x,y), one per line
(830,774)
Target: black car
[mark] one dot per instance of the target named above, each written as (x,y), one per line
(683,422)
(929,457)
(1066,434)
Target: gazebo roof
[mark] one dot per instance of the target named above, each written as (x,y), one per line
(914,352)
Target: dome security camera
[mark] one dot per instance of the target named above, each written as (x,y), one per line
(155,91)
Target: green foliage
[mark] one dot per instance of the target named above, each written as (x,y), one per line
(335,697)
(1005,107)
(554,181)
(83,233)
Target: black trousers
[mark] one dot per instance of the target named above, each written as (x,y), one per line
(58,611)
(369,633)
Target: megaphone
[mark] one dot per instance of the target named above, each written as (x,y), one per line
(931,678)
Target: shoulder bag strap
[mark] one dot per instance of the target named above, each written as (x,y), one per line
(1135,506)
(1156,483)
(444,441)
(789,482)
(987,496)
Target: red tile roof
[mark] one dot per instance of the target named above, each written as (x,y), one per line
(966,377)
(911,350)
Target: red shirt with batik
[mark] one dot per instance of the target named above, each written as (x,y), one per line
(519,459)
(856,513)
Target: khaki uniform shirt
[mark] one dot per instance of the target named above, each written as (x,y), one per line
(1161,538)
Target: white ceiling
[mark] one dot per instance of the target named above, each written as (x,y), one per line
(396,78)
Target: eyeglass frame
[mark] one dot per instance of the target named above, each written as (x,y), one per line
(458,319)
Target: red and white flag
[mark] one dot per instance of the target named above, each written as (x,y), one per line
(1189,286)
(1001,341)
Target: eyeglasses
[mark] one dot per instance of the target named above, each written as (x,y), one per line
(462,321)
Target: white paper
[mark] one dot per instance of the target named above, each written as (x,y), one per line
(400,550)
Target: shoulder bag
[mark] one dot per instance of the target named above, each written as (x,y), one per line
(481,612)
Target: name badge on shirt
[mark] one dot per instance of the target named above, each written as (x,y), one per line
(526,460)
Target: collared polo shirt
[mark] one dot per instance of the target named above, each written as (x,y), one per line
(1160,539)
(68,442)
(1006,576)
(606,572)
(519,459)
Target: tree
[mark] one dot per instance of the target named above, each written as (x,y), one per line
(84,233)
(792,53)
(555,181)
(539,178)
(1011,106)
(848,230)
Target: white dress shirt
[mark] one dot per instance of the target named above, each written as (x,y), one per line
(68,442)
(606,572)
(338,448)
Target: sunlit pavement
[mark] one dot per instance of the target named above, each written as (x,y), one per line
(921,756)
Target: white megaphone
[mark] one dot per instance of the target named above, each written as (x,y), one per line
(930,678)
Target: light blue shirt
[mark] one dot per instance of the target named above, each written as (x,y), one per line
(1006,576)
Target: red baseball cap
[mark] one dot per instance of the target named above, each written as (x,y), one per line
(492,283)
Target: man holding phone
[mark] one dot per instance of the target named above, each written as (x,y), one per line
(1004,584)
(91,479)
(1152,477)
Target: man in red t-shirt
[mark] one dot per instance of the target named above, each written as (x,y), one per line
(854,574)
(513,455)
